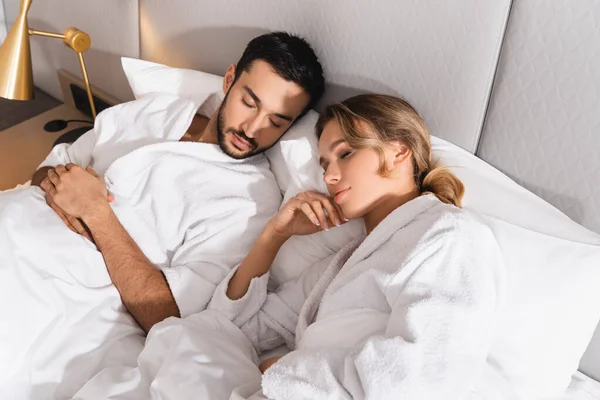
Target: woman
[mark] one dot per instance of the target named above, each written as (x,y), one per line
(405,312)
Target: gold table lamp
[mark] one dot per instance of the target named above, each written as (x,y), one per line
(16,74)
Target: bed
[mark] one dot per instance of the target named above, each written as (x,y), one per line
(514,83)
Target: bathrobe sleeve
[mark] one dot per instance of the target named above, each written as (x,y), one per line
(79,152)
(207,257)
(442,301)
(269,320)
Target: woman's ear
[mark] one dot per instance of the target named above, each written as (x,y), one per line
(401,153)
(229,78)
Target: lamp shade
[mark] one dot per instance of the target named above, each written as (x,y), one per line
(16,74)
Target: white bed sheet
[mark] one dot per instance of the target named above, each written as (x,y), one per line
(182,357)
(583,388)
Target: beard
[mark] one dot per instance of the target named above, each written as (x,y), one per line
(222,133)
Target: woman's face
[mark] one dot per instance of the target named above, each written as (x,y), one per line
(351,175)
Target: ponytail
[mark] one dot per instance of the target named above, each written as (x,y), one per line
(442,183)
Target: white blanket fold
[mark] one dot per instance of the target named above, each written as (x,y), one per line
(203,356)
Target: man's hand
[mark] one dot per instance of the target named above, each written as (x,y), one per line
(143,287)
(77,192)
(267,363)
(74,224)
(39,176)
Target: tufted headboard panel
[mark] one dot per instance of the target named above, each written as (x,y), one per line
(440,56)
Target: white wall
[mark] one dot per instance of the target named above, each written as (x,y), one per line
(3,25)
(11,10)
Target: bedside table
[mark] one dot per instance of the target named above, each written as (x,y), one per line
(24,146)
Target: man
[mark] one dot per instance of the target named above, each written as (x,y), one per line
(166,228)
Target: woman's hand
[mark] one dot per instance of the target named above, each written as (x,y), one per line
(304,214)
(301,215)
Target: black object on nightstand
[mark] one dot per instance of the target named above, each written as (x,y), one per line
(72,135)
(82,104)
(69,137)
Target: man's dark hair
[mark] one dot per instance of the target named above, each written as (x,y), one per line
(291,57)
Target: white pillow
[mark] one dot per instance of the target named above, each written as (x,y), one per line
(553,264)
(147,77)
(553,299)
(287,168)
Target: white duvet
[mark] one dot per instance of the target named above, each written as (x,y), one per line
(193,211)
(407,313)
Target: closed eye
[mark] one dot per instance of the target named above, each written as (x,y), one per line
(345,154)
(247,104)
(274,124)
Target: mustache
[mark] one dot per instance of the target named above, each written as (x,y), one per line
(242,135)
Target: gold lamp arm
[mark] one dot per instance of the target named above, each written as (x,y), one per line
(88,88)
(46,34)
(79,42)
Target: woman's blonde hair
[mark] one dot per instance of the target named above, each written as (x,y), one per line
(390,119)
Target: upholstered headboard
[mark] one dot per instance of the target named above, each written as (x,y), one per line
(439,55)
(543,123)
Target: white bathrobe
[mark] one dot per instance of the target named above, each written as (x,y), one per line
(193,211)
(408,313)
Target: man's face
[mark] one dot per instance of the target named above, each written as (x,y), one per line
(257,110)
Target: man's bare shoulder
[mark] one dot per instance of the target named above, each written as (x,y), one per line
(196,129)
